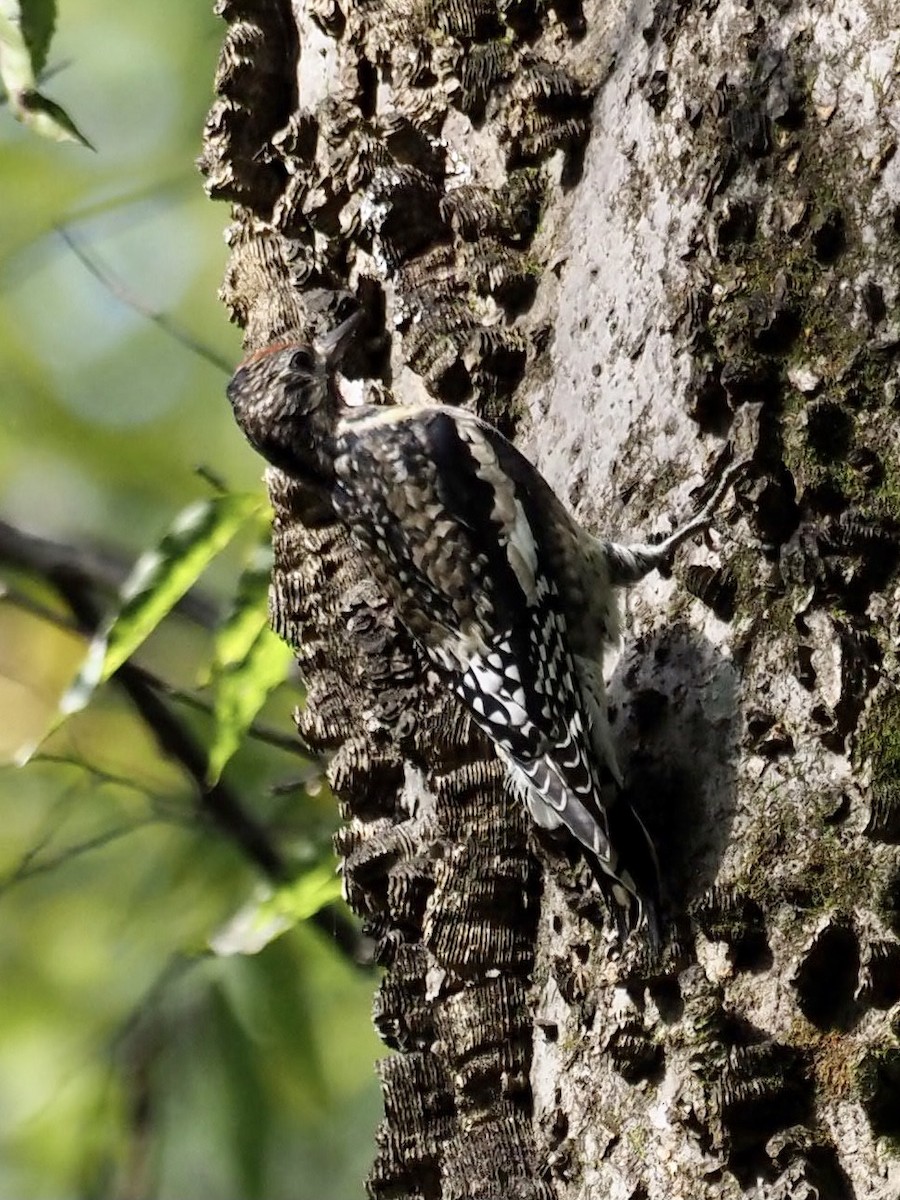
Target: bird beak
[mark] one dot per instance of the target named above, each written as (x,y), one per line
(333,346)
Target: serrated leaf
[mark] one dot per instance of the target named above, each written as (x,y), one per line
(271,913)
(159,580)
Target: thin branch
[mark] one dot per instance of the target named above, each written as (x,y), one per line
(162,805)
(290,743)
(121,293)
(216,801)
(100,570)
(289,786)
(35,609)
(28,868)
(77,576)
(41,245)
(45,76)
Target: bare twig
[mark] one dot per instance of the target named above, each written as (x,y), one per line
(43,611)
(121,293)
(30,865)
(78,577)
(289,743)
(100,570)
(217,802)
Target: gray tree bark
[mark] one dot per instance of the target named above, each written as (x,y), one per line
(633,234)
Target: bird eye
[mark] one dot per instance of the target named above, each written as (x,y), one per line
(302,360)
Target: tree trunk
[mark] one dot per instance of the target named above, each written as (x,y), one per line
(630,234)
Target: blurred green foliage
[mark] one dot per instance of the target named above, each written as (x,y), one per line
(134,1061)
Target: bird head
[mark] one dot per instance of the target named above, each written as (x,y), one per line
(286,400)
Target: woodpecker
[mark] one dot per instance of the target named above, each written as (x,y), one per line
(510,599)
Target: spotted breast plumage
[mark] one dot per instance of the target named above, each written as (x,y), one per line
(509,598)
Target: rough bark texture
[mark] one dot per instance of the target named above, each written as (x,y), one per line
(643,228)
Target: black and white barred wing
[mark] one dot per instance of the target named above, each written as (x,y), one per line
(446,511)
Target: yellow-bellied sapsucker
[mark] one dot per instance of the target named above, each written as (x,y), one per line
(510,599)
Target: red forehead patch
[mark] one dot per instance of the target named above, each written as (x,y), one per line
(272,348)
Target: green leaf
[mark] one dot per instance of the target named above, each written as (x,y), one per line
(47,119)
(242,1077)
(31,24)
(249,663)
(272,912)
(246,617)
(15,58)
(272,997)
(26,27)
(159,580)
